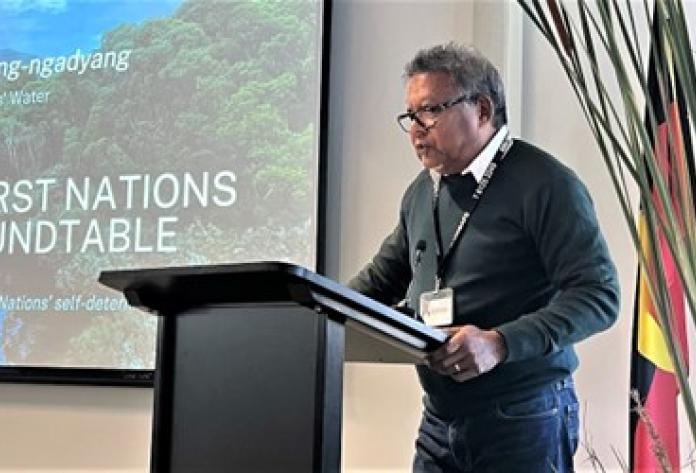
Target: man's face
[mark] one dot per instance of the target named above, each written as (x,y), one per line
(460,132)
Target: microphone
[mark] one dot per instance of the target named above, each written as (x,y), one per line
(402,306)
(420,248)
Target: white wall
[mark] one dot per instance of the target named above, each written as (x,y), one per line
(45,428)
(72,429)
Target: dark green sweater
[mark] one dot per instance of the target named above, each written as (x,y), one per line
(531,263)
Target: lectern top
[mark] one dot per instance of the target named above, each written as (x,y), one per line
(175,290)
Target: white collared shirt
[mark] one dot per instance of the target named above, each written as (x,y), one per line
(478,165)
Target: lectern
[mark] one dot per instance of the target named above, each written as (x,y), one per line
(250,363)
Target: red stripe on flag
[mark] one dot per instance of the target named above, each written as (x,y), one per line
(668,168)
(661,408)
(676,296)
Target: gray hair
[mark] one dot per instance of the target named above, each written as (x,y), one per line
(470,71)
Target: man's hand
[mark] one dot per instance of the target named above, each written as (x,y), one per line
(468,353)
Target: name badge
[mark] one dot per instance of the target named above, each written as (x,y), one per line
(437,307)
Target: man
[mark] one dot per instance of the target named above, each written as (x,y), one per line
(497,243)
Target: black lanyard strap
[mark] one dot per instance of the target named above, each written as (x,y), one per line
(443,257)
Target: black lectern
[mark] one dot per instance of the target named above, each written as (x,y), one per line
(250,363)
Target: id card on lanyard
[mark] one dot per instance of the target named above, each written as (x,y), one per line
(437,307)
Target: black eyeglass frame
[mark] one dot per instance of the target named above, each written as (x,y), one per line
(434,109)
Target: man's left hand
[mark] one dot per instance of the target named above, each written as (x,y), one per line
(468,353)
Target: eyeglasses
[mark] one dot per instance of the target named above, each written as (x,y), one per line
(426,116)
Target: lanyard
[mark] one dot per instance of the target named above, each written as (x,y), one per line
(443,257)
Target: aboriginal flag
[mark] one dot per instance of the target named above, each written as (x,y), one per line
(652,371)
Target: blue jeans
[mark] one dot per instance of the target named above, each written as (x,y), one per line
(536,433)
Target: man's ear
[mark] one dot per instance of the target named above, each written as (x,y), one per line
(485,109)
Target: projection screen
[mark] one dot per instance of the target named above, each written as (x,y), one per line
(145,133)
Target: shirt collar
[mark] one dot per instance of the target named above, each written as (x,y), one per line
(478,166)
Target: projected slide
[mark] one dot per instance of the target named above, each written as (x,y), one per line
(142,133)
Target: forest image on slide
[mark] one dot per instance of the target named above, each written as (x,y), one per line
(214,88)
